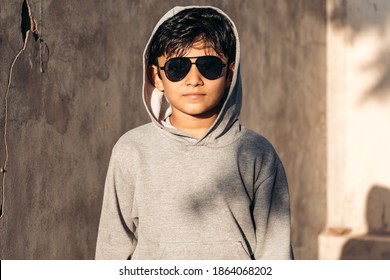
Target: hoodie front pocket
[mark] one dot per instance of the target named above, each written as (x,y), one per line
(219,250)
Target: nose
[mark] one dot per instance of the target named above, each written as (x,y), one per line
(194,78)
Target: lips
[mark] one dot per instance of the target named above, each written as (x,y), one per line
(194,96)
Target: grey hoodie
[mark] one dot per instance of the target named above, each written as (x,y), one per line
(170,196)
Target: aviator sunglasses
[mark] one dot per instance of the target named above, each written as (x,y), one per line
(177,68)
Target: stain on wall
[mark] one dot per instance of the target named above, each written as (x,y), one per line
(63,122)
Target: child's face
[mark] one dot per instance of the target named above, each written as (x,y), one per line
(194,95)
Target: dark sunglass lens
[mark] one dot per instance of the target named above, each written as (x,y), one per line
(177,68)
(210,67)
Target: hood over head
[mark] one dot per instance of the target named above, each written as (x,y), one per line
(159,108)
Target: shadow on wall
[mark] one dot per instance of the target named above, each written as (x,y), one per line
(375,245)
(355,20)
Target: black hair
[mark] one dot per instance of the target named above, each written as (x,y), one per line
(177,34)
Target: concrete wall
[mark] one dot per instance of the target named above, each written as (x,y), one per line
(284,53)
(64,121)
(358,98)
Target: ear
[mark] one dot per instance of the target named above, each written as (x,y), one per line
(155,77)
(230,74)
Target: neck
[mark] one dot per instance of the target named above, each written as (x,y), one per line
(196,126)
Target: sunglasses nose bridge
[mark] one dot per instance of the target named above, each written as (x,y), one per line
(194,77)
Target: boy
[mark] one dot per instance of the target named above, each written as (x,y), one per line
(194,183)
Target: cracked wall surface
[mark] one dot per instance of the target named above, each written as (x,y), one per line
(64,121)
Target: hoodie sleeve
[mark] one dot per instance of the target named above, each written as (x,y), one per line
(272,217)
(116,234)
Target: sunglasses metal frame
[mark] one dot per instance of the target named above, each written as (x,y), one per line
(189,58)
